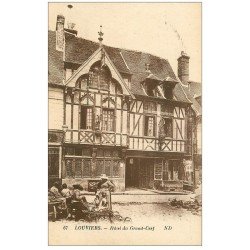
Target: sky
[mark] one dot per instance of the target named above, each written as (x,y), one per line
(162,29)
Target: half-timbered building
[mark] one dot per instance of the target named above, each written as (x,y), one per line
(117,112)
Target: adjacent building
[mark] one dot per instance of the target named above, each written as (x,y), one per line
(117,112)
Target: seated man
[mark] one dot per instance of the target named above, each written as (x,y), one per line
(77,196)
(55,190)
(65,191)
(55,196)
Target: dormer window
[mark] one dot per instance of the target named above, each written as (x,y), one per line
(151,89)
(168,86)
(168,92)
(99,77)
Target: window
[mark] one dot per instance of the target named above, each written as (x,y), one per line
(108,120)
(168,127)
(150,89)
(168,92)
(84,83)
(104,78)
(94,77)
(149,126)
(53,164)
(86,117)
(158,169)
(173,170)
(107,162)
(99,76)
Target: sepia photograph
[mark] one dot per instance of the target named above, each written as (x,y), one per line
(124,124)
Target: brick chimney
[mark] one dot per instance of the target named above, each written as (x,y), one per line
(60,32)
(183,68)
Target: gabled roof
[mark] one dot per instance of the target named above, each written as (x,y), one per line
(78,50)
(96,56)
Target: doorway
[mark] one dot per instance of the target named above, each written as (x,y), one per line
(146,170)
(132,173)
(139,173)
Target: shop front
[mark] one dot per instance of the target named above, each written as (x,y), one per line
(85,165)
(157,173)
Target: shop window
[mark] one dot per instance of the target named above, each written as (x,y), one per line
(69,151)
(86,117)
(149,128)
(107,163)
(115,153)
(158,170)
(99,167)
(99,152)
(78,168)
(53,162)
(86,168)
(173,169)
(107,153)
(86,152)
(115,168)
(107,167)
(108,120)
(165,171)
(78,151)
(69,168)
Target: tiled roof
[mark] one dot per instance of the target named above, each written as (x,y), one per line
(195,88)
(190,94)
(55,61)
(78,50)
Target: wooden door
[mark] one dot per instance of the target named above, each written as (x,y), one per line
(146,175)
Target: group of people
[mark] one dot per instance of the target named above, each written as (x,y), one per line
(68,195)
